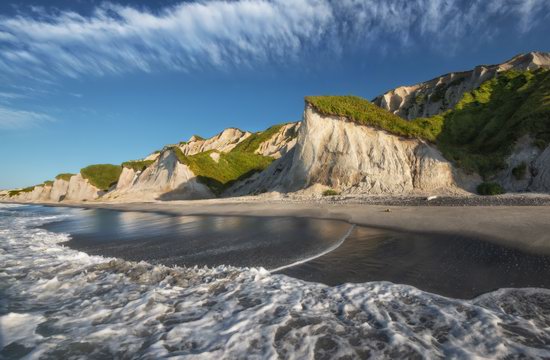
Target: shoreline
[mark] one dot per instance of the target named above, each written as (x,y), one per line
(525,226)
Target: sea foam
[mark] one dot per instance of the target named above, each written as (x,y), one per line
(58,302)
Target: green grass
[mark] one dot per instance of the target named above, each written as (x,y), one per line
(102,176)
(253,142)
(364,112)
(64,176)
(137,165)
(231,167)
(47,183)
(480,132)
(489,188)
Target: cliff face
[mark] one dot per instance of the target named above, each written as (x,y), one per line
(444,92)
(352,158)
(281,142)
(59,190)
(80,189)
(528,168)
(165,179)
(224,142)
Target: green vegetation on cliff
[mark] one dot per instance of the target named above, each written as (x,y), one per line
(480,132)
(253,142)
(20,191)
(366,113)
(47,183)
(137,165)
(64,176)
(230,167)
(102,176)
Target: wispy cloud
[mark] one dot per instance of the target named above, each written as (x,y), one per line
(19,119)
(244,33)
(10,96)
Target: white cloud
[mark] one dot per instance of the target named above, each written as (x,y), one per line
(19,119)
(243,33)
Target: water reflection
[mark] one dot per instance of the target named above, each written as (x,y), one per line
(200,240)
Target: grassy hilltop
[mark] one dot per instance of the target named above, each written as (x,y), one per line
(479,133)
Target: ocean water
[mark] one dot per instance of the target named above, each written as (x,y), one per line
(58,302)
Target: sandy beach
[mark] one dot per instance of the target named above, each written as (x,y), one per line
(515,222)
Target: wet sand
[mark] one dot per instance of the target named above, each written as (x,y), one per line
(522,227)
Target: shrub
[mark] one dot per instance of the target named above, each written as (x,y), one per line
(330,192)
(520,171)
(102,176)
(490,188)
(64,176)
(137,165)
(540,143)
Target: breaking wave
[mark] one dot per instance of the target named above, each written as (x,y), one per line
(58,302)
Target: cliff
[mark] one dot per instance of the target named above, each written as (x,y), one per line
(80,189)
(490,124)
(223,142)
(166,178)
(339,153)
(444,92)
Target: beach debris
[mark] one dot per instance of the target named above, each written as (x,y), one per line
(430,198)
(387,210)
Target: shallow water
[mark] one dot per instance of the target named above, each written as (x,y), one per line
(57,302)
(200,240)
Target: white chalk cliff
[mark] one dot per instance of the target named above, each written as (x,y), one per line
(80,189)
(281,142)
(224,142)
(165,179)
(444,92)
(353,158)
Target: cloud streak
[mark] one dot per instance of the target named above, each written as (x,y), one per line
(241,34)
(11,119)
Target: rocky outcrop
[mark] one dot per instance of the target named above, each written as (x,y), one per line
(165,179)
(59,190)
(153,156)
(528,168)
(41,193)
(281,142)
(80,189)
(224,142)
(541,170)
(352,158)
(444,92)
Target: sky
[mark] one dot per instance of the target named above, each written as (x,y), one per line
(87,82)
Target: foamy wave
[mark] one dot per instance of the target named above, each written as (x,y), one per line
(59,302)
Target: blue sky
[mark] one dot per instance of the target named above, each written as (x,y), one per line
(85,82)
